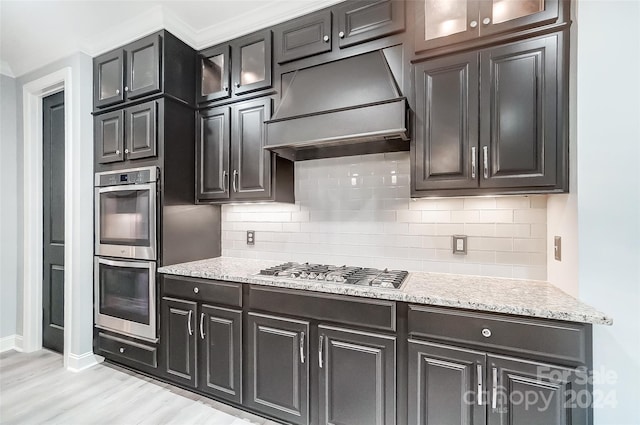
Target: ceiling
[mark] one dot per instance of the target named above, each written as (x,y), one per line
(35,33)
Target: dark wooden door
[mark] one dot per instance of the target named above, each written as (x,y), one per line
(143,67)
(446,142)
(444,384)
(251,65)
(178,341)
(141,130)
(108,83)
(366,20)
(518,114)
(109,136)
(278,367)
(528,392)
(357,377)
(214,73)
(251,163)
(212,154)
(220,331)
(53,222)
(306,36)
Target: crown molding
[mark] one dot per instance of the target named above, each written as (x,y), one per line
(5,69)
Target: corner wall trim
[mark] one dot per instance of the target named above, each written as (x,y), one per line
(80,362)
(11,342)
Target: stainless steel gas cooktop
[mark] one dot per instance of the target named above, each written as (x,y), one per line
(339,274)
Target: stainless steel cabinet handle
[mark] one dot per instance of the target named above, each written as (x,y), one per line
(485,153)
(341,34)
(473,24)
(494,390)
(486,332)
(325,38)
(225,180)
(201,325)
(126,151)
(196,290)
(302,347)
(238,85)
(126,89)
(486,21)
(473,162)
(480,379)
(189,322)
(235,180)
(121,349)
(320,351)
(117,91)
(226,89)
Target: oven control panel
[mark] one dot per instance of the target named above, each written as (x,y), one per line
(134,176)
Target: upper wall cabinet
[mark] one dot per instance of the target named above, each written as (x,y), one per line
(235,69)
(440,23)
(349,23)
(492,121)
(154,64)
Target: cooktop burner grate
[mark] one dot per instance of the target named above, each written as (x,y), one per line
(338,274)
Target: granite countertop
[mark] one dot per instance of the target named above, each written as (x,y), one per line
(510,296)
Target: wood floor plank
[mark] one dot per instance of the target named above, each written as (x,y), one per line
(36,389)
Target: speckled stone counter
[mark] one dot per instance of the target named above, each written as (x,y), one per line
(510,296)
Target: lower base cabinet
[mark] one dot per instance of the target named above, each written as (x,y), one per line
(452,385)
(202,347)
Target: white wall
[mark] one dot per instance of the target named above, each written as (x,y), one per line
(608,136)
(8,209)
(358,211)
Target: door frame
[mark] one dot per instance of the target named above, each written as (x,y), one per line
(78,271)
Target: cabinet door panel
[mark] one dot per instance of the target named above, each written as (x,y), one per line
(221,342)
(446,123)
(143,67)
(279,367)
(141,130)
(214,74)
(508,15)
(212,154)
(444,383)
(179,340)
(109,137)
(251,176)
(302,37)
(366,20)
(108,84)
(357,377)
(535,393)
(518,113)
(251,63)
(441,23)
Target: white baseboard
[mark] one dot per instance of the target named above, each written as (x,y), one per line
(11,342)
(77,363)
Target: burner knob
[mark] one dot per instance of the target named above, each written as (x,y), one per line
(320,276)
(312,275)
(304,275)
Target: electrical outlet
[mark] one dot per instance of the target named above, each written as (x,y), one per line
(557,248)
(460,244)
(251,237)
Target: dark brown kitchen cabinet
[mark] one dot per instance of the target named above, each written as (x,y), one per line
(302,37)
(364,20)
(234,69)
(357,377)
(179,340)
(154,64)
(127,134)
(441,24)
(278,367)
(231,162)
(491,121)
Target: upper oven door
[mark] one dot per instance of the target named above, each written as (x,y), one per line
(126,221)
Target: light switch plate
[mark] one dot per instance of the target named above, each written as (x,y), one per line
(251,237)
(557,248)
(460,244)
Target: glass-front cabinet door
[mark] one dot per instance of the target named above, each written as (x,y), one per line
(445,22)
(108,85)
(213,70)
(143,67)
(251,63)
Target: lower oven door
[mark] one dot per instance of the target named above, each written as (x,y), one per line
(125,297)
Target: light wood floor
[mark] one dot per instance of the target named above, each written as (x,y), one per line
(36,389)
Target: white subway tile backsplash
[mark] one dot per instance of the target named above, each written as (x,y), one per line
(358,210)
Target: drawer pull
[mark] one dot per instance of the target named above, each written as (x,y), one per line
(302,347)
(201,325)
(494,390)
(480,379)
(196,290)
(189,323)
(320,351)
(486,332)
(121,350)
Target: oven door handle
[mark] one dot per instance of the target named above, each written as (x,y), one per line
(189,322)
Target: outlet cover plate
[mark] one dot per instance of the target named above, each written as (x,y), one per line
(251,237)
(460,244)
(557,248)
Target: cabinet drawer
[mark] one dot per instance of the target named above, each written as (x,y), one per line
(212,291)
(128,350)
(531,337)
(376,314)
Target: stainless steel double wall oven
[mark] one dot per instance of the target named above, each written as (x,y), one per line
(126,249)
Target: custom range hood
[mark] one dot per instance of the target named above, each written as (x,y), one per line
(347,107)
